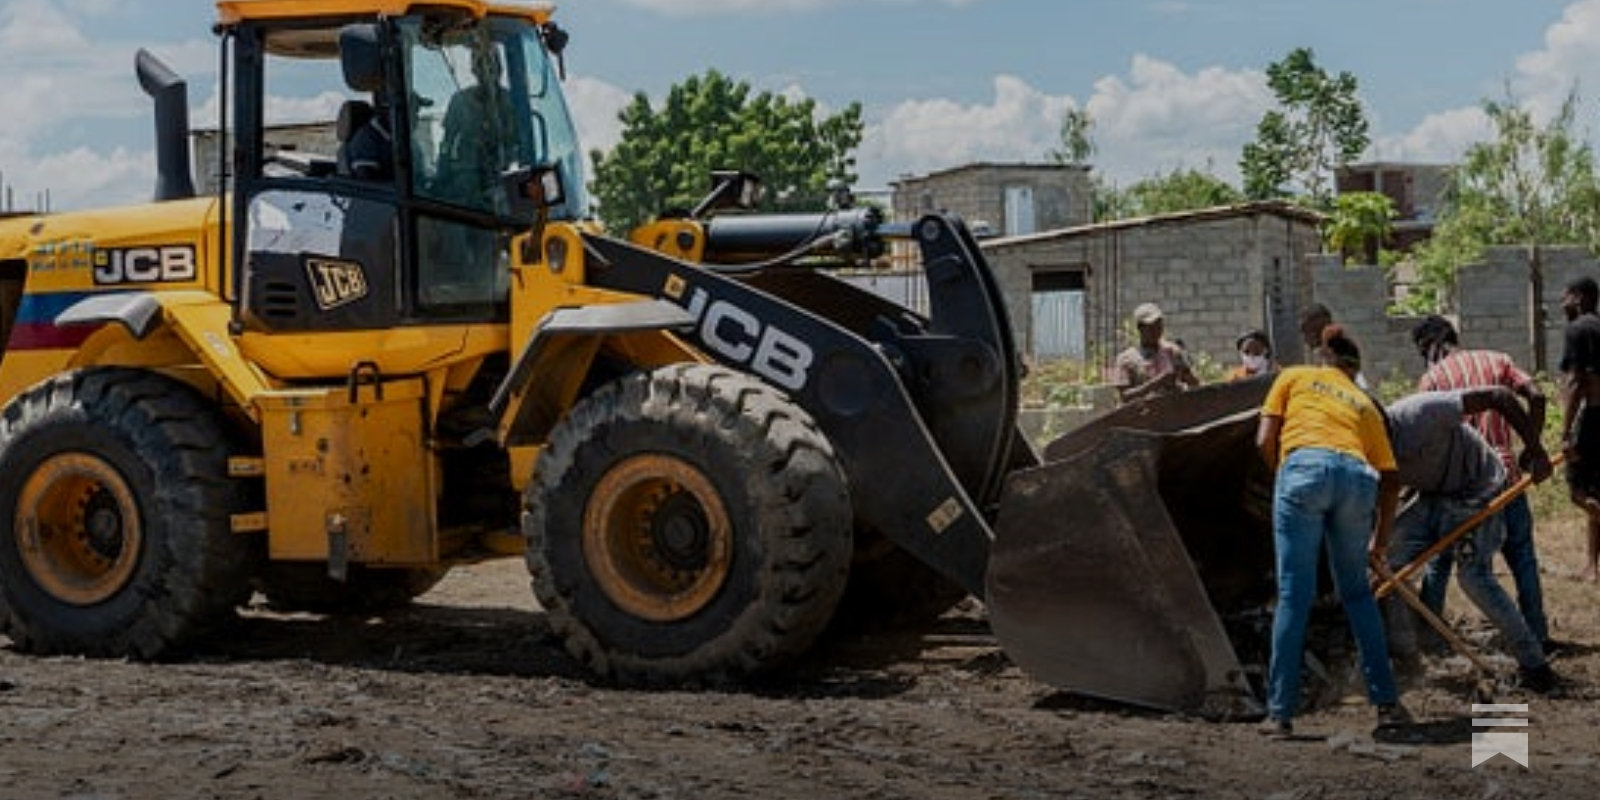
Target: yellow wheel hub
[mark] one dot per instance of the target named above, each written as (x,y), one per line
(657,537)
(78,529)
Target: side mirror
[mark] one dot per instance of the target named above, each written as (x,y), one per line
(534,190)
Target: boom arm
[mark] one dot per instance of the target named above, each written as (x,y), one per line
(921,412)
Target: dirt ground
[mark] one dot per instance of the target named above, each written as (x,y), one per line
(465,696)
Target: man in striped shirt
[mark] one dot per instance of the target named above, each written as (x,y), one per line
(1452,367)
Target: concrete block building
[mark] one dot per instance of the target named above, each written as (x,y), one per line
(1215,272)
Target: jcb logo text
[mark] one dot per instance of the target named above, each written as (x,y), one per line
(144,264)
(335,283)
(740,337)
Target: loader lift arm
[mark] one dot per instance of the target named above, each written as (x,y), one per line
(921,412)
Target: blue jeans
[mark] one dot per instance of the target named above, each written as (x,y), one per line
(1521,559)
(1324,500)
(1432,517)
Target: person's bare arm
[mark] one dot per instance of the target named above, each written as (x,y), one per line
(1538,404)
(1504,402)
(1267,439)
(1159,383)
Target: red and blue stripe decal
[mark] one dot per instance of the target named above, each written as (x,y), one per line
(36,328)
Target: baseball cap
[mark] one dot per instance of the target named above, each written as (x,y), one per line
(1147,313)
(1254,333)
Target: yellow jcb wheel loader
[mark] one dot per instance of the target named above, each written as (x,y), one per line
(364,358)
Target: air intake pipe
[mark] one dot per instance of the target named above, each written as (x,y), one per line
(174,180)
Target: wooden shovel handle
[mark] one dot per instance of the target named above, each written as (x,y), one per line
(1500,501)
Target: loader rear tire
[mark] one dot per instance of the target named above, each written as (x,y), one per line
(365,590)
(688,525)
(115,507)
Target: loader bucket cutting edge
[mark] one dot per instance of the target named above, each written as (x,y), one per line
(1115,562)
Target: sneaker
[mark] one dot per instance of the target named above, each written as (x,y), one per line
(1393,715)
(1541,679)
(1275,728)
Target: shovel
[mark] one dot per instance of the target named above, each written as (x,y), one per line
(1500,501)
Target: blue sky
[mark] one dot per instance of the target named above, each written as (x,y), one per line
(1171,83)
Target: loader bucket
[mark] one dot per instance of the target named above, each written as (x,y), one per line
(1117,561)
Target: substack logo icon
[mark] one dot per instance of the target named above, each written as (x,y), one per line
(1499,729)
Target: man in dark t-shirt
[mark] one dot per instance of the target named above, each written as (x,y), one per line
(1580,409)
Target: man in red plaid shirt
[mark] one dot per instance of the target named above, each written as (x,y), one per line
(1452,367)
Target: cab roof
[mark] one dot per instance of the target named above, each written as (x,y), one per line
(232,12)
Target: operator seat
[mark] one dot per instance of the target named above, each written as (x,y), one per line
(366,148)
(366,139)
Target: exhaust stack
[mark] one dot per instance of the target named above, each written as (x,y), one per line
(174,180)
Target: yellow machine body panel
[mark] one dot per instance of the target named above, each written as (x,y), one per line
(60,261)
(395,351)
(230,12)
(166,244)
(343,478)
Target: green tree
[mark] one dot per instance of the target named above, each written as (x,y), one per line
(666,155)
(1318,126)
(1077,139)
(1531,185)
(1359,225)
(1183,189)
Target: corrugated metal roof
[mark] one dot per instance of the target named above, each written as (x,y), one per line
(1273,207)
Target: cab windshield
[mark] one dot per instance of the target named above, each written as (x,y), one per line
(484,98)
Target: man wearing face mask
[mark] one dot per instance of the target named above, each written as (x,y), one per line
(1255,356)
(1453,367)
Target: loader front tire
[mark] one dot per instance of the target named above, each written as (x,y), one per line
(687,525)
(115,506)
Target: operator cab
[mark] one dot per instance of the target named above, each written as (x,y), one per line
(400,213)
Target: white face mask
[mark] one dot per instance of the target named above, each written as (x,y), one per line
(1253,363)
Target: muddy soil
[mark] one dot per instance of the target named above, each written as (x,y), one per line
(464,695)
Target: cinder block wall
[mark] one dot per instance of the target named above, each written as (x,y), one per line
(1492,298)
(1215,275)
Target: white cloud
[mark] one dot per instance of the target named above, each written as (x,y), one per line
(1439,138)
(1158,118)
(33,29)
(595,105)
(917,136)
(1570,59)
(76,178)
(292,110)
(61,89)
(1148,122)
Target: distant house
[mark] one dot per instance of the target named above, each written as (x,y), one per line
(309,137)
(1416,190)
(1071,284)
(993,199)
(1215,272)
(1001,199)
